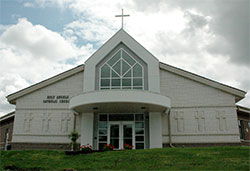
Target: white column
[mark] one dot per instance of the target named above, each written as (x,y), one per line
(155,130)
(87,128)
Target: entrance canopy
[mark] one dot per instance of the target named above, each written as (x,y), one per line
(119,101)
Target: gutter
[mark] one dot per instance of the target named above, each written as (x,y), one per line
(169,128)
(74,124)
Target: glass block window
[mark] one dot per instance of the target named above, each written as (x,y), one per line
(121,71)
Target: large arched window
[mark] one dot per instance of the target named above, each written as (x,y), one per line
(121,71)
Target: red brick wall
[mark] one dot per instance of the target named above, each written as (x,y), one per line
(246,130)
(244,118)
(6,124)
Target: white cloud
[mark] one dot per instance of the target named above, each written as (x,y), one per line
(31,53)
(37,40)
(28,4)
(9,83)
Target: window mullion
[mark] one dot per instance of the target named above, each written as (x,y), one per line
(132,77)
(115,72)
(110,79)
(128,67)
(142,78)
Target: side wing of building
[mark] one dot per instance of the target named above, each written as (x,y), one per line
(200,114)
(244,124)
(6,130)
(42,117)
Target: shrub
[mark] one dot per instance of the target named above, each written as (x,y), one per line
(86,148)
(108,147)
(128,147)
(73,136)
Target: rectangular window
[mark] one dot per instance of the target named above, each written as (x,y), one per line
(123,117)
(116,82)
(102,124)
(102,132)
(105,82)
(126,82)
(137,82)
(105,88)
(139,125)
(139,131)
(103,138)
(139,138)
(139,117)
(139,145)
(103,117)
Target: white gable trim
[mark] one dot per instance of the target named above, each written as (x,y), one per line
(110,44)
(239,94)
(122,37)
(12,97)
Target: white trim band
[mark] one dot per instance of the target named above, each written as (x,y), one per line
(153,100)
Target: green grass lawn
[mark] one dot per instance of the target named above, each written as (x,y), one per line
(206,158)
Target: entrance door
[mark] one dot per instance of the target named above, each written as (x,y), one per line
(114,135)
(121,133)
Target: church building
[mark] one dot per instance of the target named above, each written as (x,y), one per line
(124,95)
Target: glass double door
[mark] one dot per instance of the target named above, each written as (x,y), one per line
(121,133)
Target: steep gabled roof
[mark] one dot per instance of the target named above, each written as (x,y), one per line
(239,94)
(12,97)
(119,36)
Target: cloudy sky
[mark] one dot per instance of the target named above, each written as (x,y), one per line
(41,38)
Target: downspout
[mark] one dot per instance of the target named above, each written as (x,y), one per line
(169,128)
(74,124)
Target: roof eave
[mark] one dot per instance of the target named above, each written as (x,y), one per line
(12,97)
(7,116)
(239,94)
(243,109)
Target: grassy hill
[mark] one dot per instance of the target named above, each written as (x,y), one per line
(206,158)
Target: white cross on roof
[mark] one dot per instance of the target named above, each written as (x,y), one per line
(123,15)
